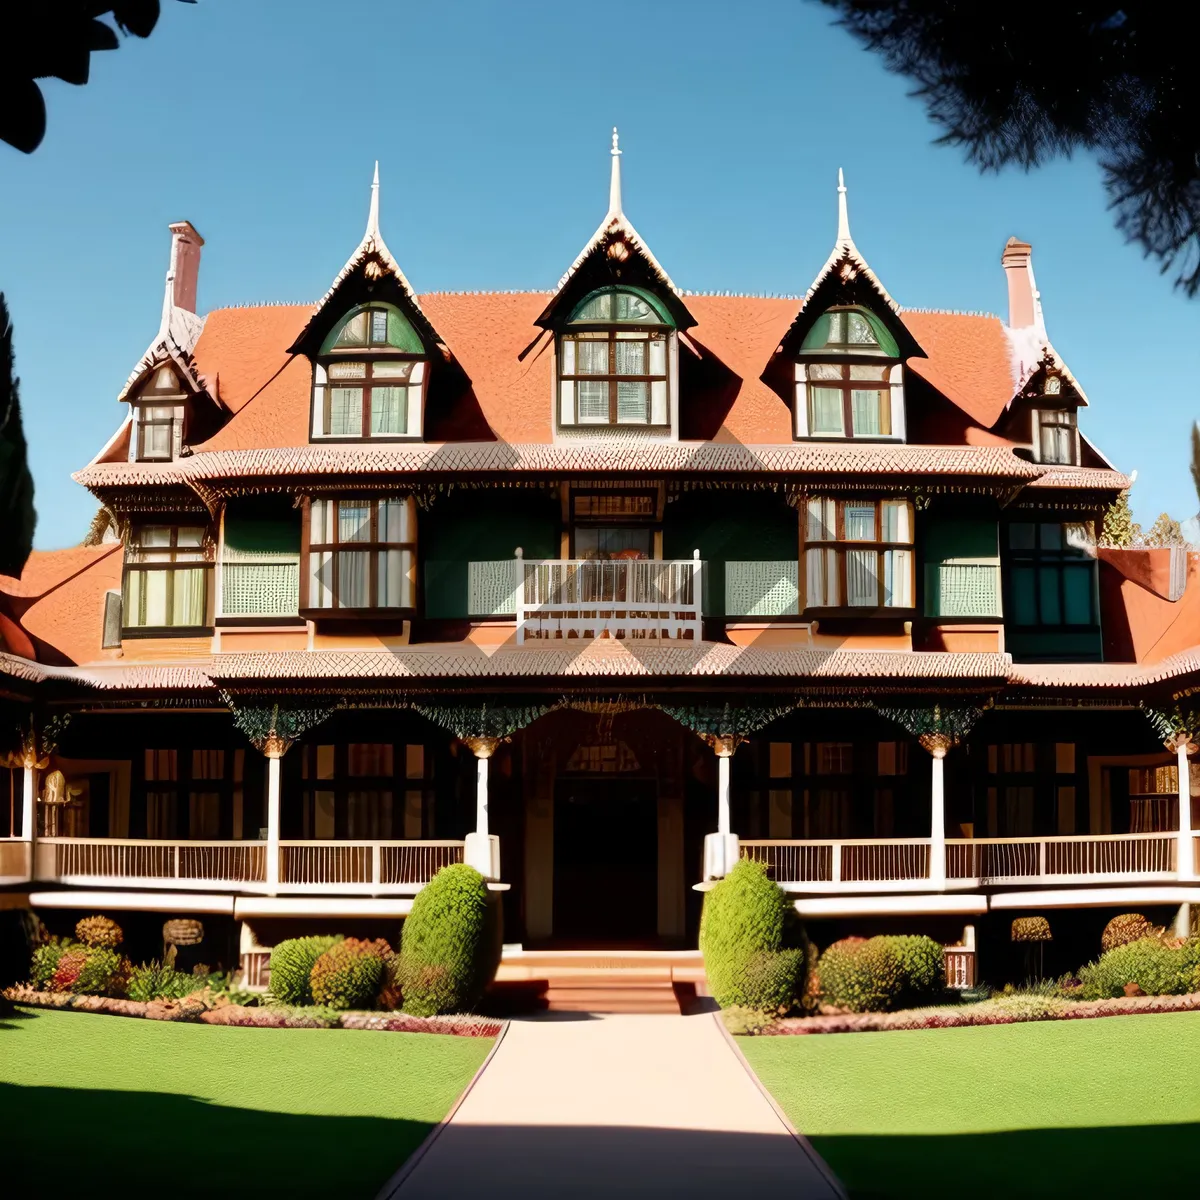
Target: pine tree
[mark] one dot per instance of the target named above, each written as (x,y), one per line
(1120,529)
(16,484)
(1164,532)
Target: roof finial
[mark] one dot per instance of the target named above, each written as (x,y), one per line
(373,215)
(843,216)
(614,185)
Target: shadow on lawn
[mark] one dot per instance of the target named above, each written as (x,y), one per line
(1127,1160)
(183,1146)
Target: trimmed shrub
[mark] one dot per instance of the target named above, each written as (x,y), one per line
(99,931)
(861,976)
(1031,929)
(450,944)
(1128,927)
(923,966)
(91,971)
(746,1022)
(291,967)
(391,991)
(1156,967)
(349,975)
(157,980)
(754,948)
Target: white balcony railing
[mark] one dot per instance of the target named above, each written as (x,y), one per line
(618,598)
(902,864)
(349,868)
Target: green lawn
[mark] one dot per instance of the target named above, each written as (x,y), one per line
(1059,1108)
(108,1106)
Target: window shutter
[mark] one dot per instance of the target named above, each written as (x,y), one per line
(801,402)
(112,621)
(897,381)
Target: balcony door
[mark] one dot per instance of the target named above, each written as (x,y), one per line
(605,861)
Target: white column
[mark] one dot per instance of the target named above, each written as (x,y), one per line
(29,805)
(1185,854)
(480,850)
(721,848)
(274,753)
(937,817)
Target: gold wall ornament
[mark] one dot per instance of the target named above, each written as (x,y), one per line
(483,747)
(723,745)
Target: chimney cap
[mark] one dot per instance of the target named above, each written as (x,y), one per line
(187,230)
(1016,252)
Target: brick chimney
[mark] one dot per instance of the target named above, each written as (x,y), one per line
(1024,300)
(185,265)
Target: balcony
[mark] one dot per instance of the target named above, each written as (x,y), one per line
(304,868)
(903,864)
(557,599)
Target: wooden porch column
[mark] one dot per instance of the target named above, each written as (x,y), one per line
(274,747)
(1185,854)
(478,849)
(937,744)
(29,804)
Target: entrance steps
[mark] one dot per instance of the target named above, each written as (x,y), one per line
(598,981)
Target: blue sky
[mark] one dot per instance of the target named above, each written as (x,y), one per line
(260,121)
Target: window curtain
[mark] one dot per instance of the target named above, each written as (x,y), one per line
(188,609)
(897,578)
(821,575)
(860,522)
(354,575)
(862,583)
(822,519)
(593,401)
(826,409)
(867,407)
(345,412)
(389,410)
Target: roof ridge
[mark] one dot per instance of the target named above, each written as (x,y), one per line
(951,312)
(745,295)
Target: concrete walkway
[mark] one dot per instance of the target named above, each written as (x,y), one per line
(614,1106)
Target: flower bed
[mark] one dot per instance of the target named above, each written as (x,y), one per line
(196,1008)
(1004,1010)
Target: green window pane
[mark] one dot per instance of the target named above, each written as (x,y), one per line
(1023,596)
(1021,535)
(1077,594)
(1050,535)
(1048,598)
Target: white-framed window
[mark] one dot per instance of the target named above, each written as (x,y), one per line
(370,377)
(166,585)
(362,554)
(614,362)
(858,554)
(1056,436)
(158,411)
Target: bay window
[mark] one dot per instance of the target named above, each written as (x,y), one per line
(613,362)
(369,381)
(858,553)
(166,578)
(362,555)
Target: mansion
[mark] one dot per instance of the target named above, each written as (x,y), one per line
(599,589)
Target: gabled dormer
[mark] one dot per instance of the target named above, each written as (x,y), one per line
(372,348)
(844,353)
(170,406)
(615,319)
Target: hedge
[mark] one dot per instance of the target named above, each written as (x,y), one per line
(450,944)
(1155,966)
(881,974)
(754,948)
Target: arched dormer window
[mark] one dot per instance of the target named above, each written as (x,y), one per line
(616,354)
(848,378)
(369,378)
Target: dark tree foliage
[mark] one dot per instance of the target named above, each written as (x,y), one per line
(16,484)
(1024,82)
(54,39)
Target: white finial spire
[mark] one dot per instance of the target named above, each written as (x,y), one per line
(843,216)
(373,215)
(614,185)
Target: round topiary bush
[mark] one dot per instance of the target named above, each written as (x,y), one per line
(350,974)
(450,944)
(861,975)
(99,931)
(923,967)
(291,967)
(753,946)
(1126,928)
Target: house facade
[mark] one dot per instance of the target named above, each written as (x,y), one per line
(599,589)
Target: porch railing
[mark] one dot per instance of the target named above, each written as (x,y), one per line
(1121,857)
(897,864)
(161,863)
(364,866)
(619,598)
(399,868)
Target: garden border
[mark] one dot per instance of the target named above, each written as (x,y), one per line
(784,1119)
(462,1025)
(969,1015)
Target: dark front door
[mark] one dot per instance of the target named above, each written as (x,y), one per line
(605,860)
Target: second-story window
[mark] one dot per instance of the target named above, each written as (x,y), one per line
(166,578)
(362,555)
(614,362)
(848,382)
(158,418)
(370,378)
(1057,436)
(858,553)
